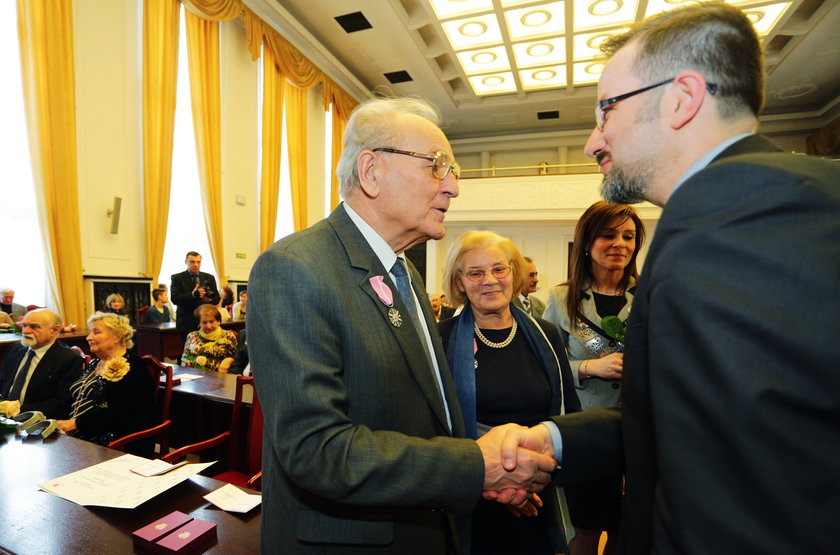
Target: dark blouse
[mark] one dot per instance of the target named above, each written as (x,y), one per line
(609,305)
(510,384)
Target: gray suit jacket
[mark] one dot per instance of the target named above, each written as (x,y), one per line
(357,453)
(537,306)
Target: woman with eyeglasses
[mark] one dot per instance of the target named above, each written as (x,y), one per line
(507,367)
(603,277)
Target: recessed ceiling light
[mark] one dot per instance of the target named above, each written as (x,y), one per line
(601,8)
(540,53)
(526,23)
(498,83)
(473,32)
(543,78)
(603,13)
(488,59)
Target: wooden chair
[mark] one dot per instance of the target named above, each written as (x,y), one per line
(253,442)
(78,350)
(163,394)
(141,314)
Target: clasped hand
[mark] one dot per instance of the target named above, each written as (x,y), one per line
(518,461)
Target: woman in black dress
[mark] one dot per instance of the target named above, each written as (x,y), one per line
(507,367)
(114,396)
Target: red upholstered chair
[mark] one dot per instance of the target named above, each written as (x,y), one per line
(234,474)
(163,394)
(78,350)
(30,307)
(141,314)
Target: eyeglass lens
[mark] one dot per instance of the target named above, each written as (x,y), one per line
(498,272)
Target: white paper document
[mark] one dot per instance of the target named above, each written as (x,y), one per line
(231,498)
(188,377)
(156,467)
(113,484)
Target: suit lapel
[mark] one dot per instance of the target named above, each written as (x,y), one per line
(363,258)
(12,364)
(41,371)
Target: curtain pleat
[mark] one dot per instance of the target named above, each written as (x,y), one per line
(205,93)
(272,137)
(342,106)
(45,33)
(216,10)
(295,99)
(160,78)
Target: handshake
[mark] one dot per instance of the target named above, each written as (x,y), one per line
(518,462)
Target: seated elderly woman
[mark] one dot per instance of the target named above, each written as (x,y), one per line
(114,396)
(507,367)
(210,347)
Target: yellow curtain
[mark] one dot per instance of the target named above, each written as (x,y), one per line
(272,137)
(216,10)
(45,32)
(342,106)
(160,77)
(205,92)
(295,98)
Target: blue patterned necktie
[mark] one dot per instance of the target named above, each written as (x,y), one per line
(404,287)
(17,387)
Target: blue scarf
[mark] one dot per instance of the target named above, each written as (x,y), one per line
(460,353)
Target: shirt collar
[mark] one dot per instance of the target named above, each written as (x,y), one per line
(707,158)
(380,247)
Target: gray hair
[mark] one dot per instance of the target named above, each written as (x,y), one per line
(116,324)
(54,317)
(371,125)
(6,290)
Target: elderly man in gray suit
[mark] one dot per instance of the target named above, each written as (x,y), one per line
(365,448)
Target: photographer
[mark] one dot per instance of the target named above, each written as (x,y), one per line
(190,289)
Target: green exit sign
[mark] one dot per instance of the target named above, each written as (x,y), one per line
(240,255)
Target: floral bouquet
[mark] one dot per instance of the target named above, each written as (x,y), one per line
(69,328)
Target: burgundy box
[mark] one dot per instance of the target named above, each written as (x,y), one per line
(148,535)
(194,535)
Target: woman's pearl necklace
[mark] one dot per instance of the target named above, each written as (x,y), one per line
(500,345)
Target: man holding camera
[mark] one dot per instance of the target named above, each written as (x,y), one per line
(190,289)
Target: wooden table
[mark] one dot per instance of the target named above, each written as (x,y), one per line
(202,408)
(36,522)
(75,339)
(163,340)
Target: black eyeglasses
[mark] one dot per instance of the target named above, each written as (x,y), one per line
(600,112)
(499,272)
(442,163)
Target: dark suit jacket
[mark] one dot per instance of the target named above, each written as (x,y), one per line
(537,305)
(240,357)
(731,411)
(357,454)
(49,385)
(446,312)
(181,291)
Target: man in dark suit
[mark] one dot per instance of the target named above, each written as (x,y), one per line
(365,449)
(731,387)
(38,371)
(190,289)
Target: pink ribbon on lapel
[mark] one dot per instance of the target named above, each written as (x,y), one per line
(382,290)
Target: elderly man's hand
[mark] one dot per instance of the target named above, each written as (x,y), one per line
(512,478)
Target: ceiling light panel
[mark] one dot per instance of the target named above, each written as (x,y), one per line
(447,9)
(586,46)
(540,53)
(536,21)
(484,60)
(764,18)
(497,83)
(593,14)
(543,78)
(585,73)
(473,32)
